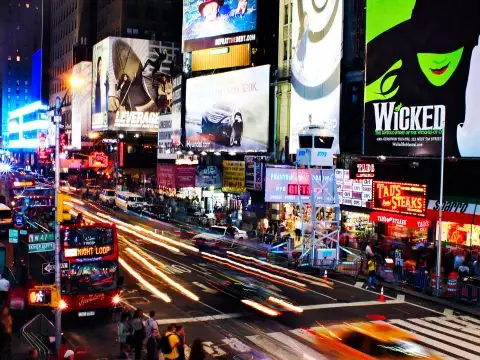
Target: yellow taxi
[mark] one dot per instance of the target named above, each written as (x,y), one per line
(367,340)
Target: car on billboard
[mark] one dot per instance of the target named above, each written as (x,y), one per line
(225,122)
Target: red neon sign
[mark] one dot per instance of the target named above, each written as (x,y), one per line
(293,189)
(98,160)
(400,198)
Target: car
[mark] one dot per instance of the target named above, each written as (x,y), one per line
(249,289)
(206,241)
(156,212)
(225,123)
(107,197)
(368,340)
(229,232)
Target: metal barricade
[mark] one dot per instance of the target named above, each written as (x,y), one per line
(351,268)
(468,292)
(37,333)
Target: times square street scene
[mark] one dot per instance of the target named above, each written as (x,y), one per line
(239,179)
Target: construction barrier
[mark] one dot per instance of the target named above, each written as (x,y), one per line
(452,284)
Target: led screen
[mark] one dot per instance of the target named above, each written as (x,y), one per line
(131,85)
(422,71)
(316,56)
(211,23)
(229,111)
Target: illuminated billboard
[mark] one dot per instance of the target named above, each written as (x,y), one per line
(81,105)
(229,111)
(317,39)
(422,71)
(211,23)
(401,198)
(131,84)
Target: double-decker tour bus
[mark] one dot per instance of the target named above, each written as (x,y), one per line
(90,272)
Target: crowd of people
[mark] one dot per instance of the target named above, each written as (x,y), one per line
(138,333)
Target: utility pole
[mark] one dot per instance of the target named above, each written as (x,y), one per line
(58,312)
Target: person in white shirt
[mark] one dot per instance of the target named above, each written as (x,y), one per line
(368,250)
(152,336)
(4,289)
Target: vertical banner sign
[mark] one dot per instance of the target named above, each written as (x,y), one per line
(233,176)
(317,39)
(166,176)
(422,71)
(254,172)
(169,132)
(81,106)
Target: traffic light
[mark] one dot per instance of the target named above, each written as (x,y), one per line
(63,209)
(44,295)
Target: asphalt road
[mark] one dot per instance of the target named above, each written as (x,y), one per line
(229,328)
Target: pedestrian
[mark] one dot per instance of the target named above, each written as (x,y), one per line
(169,343)
(368,249)
(4,289)
(197,352)
(180,330)
(152,337)
(371,272)
(7,323)
(123,333)
(138,333)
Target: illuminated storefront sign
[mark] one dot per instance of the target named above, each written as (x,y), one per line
(401,220)
(401,198)
(98,160)
(90,251)
(363,171)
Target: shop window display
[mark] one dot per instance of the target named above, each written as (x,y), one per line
(358,227)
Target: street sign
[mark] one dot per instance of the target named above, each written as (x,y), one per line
(13,236)
(19,221)
(41,238)
(41,247)
(49,268)
(23,232)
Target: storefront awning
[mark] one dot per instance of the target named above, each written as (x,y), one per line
(397,219)
(454,211)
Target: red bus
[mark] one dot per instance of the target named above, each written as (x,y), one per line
(90,272)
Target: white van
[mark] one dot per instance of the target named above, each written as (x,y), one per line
(125,200)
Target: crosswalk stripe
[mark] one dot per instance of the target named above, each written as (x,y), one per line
(300,348)
(470,319)
(271,346)
(463,322)
(444,338)
(451,325)
(427,324)
(305,335)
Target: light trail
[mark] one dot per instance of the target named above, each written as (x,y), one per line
(262,308)
(255,271)
(171,241)
(144,282)
(163,276)
(311,279)
(285,304)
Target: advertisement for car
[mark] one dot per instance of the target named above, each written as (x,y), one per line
(229,111)
(317,39)
(210,23)
(422,76)
(132,85)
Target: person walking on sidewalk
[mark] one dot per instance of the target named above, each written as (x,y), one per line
(169,343)
(138,333)
(197,352)
(371,272)
(152,337)
(123,333)
(180,330)
(4,289)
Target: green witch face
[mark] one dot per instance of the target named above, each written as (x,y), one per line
(438,68)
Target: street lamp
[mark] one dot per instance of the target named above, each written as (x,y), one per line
(74,82)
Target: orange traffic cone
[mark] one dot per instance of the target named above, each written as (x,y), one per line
(325,276)
(381,298)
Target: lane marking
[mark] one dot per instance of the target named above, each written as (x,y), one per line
(200,318)
(205,288)
(444,338)
(352,304)
(426,324)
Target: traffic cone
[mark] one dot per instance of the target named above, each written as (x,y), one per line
(325,276)
(381,298)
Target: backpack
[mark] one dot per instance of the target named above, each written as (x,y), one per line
(164,344)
